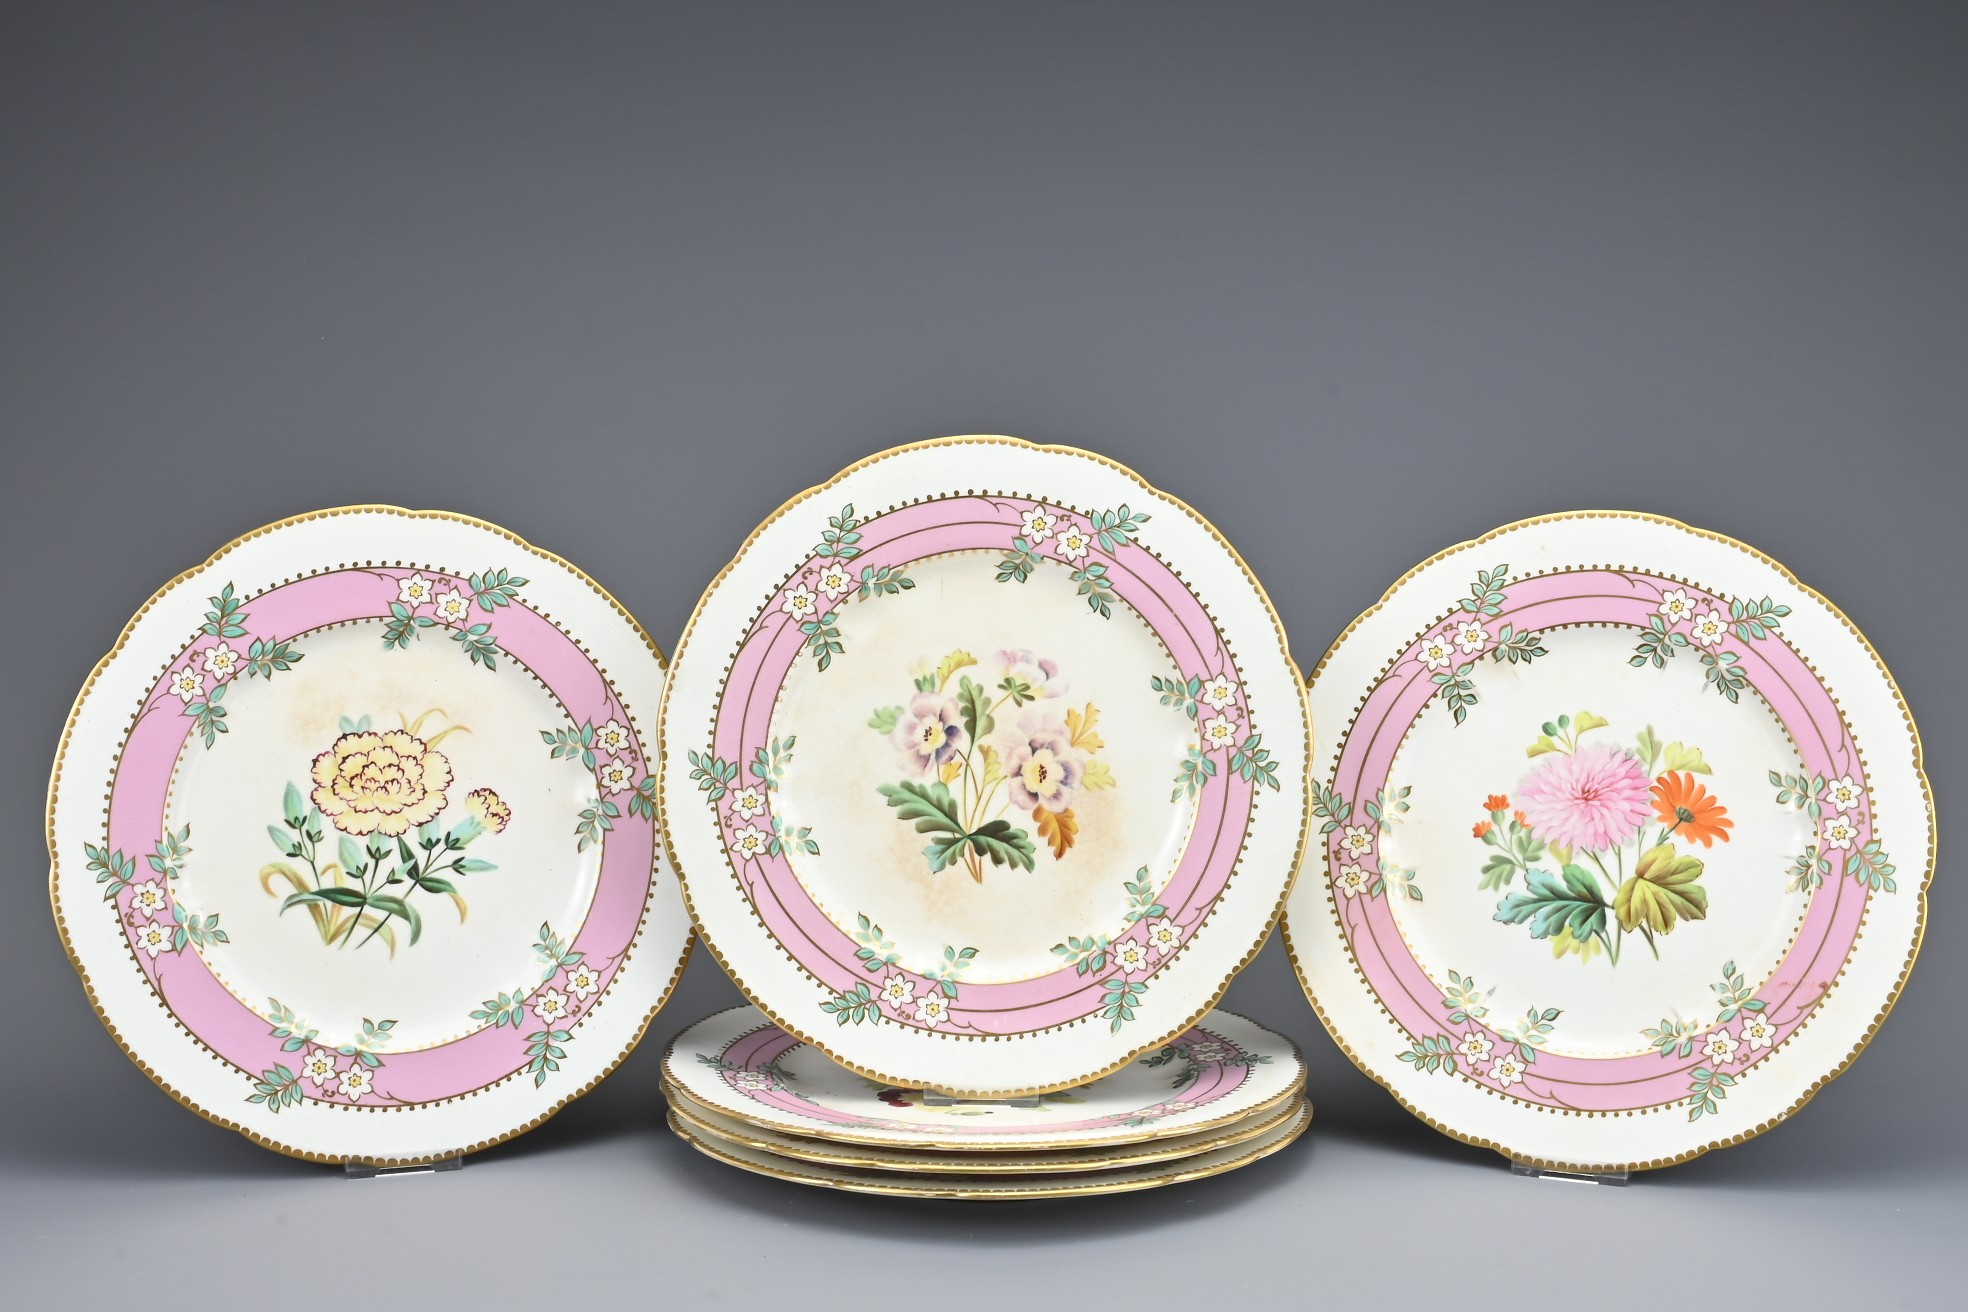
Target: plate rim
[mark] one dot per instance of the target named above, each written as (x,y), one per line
(96,672)
(960,1191)
(816,1151)
(1863,1040)
(1275,917)
(1145,1134)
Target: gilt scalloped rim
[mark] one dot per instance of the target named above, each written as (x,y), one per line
(154,970)
(1125,1179)
(1763,644)
(1224,1069)
(1006,508)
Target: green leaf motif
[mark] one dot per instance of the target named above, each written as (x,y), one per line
(1179,693)
(856,1006)
(885,719)
(1662,892)
(1552,902)
(1019,563)
(1432,1054)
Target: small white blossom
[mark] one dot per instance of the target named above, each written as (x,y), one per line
(357,1081)
(898,990)
(1841,831)
(837,579)
(1356,840)
(1436,651)
(149,898)
(1676,605)
(1039,523)
(613,738)
(1220,731)
(1471,637)
(1844,794)
(414,591)
(221,662)
(1130,956)
(932,1010)
(1709,628)
(1507,1070)
(748,804)
(1759,1031)
(1351,880)
(319,1066)
(616,775)
(1218,692)
(152,938)
(583,981)
(1720,1047)
(801,603)
(453,607)
(552,1007)
(188,684)
(1164,935)
(750,843)
(1475,1047)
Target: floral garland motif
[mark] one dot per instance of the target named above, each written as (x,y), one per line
(830,575)
(1681,622)
(1151,935)
(1073,546)
(715,777)
(450,611)
(569,983)
(606,750)
(1249,759)
(281,1085)
(1450,650)
(1842,809)
(1511,1049)
(221,663)
(1197,1053)
(151,914)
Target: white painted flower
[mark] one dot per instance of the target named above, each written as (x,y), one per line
(1841,831)
(188,684)
(153,937)
(356,1081)
(583,981)
(1039,523)
(1173,1107)
(1164,935)
(148,898)
(1209,1051)
(319,1066)
(1436,651)
(1475,1047)
(837,579)
(1709,628)
(613,738)
(1507,1070)
(1720,1047)
(553,1008)
(453,607)
(1844,794)
(1759,1031)
(616,775)
(932,1009)
(1130,956)
(754,1081)
(1471,637)
(1356,840)
(748,804)
(1218,692)
(221,662)
(750,843)
(1220,731)
(1677,605)
(898,990)
(1074,542)
(802,603)
(1351,880)
(414,591)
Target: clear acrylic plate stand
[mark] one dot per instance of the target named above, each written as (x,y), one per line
(364,1171)
(1571,1177)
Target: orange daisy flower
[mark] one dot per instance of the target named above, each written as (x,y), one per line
(1480,828)
(1522,819)
(1496,802)
(1688,808)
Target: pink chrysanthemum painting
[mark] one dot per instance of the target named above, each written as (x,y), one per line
(1593,799)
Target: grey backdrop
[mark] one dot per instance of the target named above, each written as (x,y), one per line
(1357,281)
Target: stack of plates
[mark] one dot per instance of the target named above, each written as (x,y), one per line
(745,1092)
